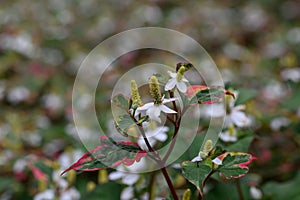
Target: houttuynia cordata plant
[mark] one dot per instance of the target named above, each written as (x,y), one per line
(147,126)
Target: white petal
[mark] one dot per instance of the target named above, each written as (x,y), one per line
(145,107)
(165,109)
(172,74)
(197,159)
(227,138)
(217,161)
(127,193)
(170,84)
(154,113)
(130,179)
(181,87)
(161,137)
(116,175)
(239,107)
(184,80)
(239,118)
(168,100)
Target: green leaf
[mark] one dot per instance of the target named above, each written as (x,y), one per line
(242,145)
(108,154)
(121,101)
(286,190)
(293,102)
(234,165)
(104,192)
(245,95)
(123,123)
(197,172)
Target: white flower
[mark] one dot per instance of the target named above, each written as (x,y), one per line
(153,110)
(126,178)
(238,117)
(70,194)
(127,193)
(181,85)
(217,161)
(279,122)
(46,195)
(291,74)
(255,193)
(153,135)
(197,158)
(18,94)
(229,135)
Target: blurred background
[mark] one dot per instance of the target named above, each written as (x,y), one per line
(255,44)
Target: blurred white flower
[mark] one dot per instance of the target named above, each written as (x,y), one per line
(229,135)
(68,158)
(292,74)
(18,94)
(279,122)
(33,139)
(181,84)
(153,110)
(42,121)
(70,194)
(126,177)
(293,35)
(274,91)
(52,102)
(238,117)
(19,165)
(213,110)
(153,134)
(45,195)
(59,180)
(4,130)
(127,193)
(255,193)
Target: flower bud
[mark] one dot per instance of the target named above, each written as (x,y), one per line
(155,90)
(135,96)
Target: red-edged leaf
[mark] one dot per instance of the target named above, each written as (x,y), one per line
(108,154)
(235,164)
(37,173)
(206,95)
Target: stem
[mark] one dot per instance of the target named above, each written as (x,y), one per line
(239,189)
(169,182)
(151,186)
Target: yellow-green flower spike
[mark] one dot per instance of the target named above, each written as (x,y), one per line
(155,90)
(180,73)
(231,130)
(135,96)
(208,146)
(187,195)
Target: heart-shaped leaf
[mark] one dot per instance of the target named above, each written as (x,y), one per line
(108,154)
(197,172)
(235,164)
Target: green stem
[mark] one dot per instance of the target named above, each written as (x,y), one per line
(151,186)
(239,189)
